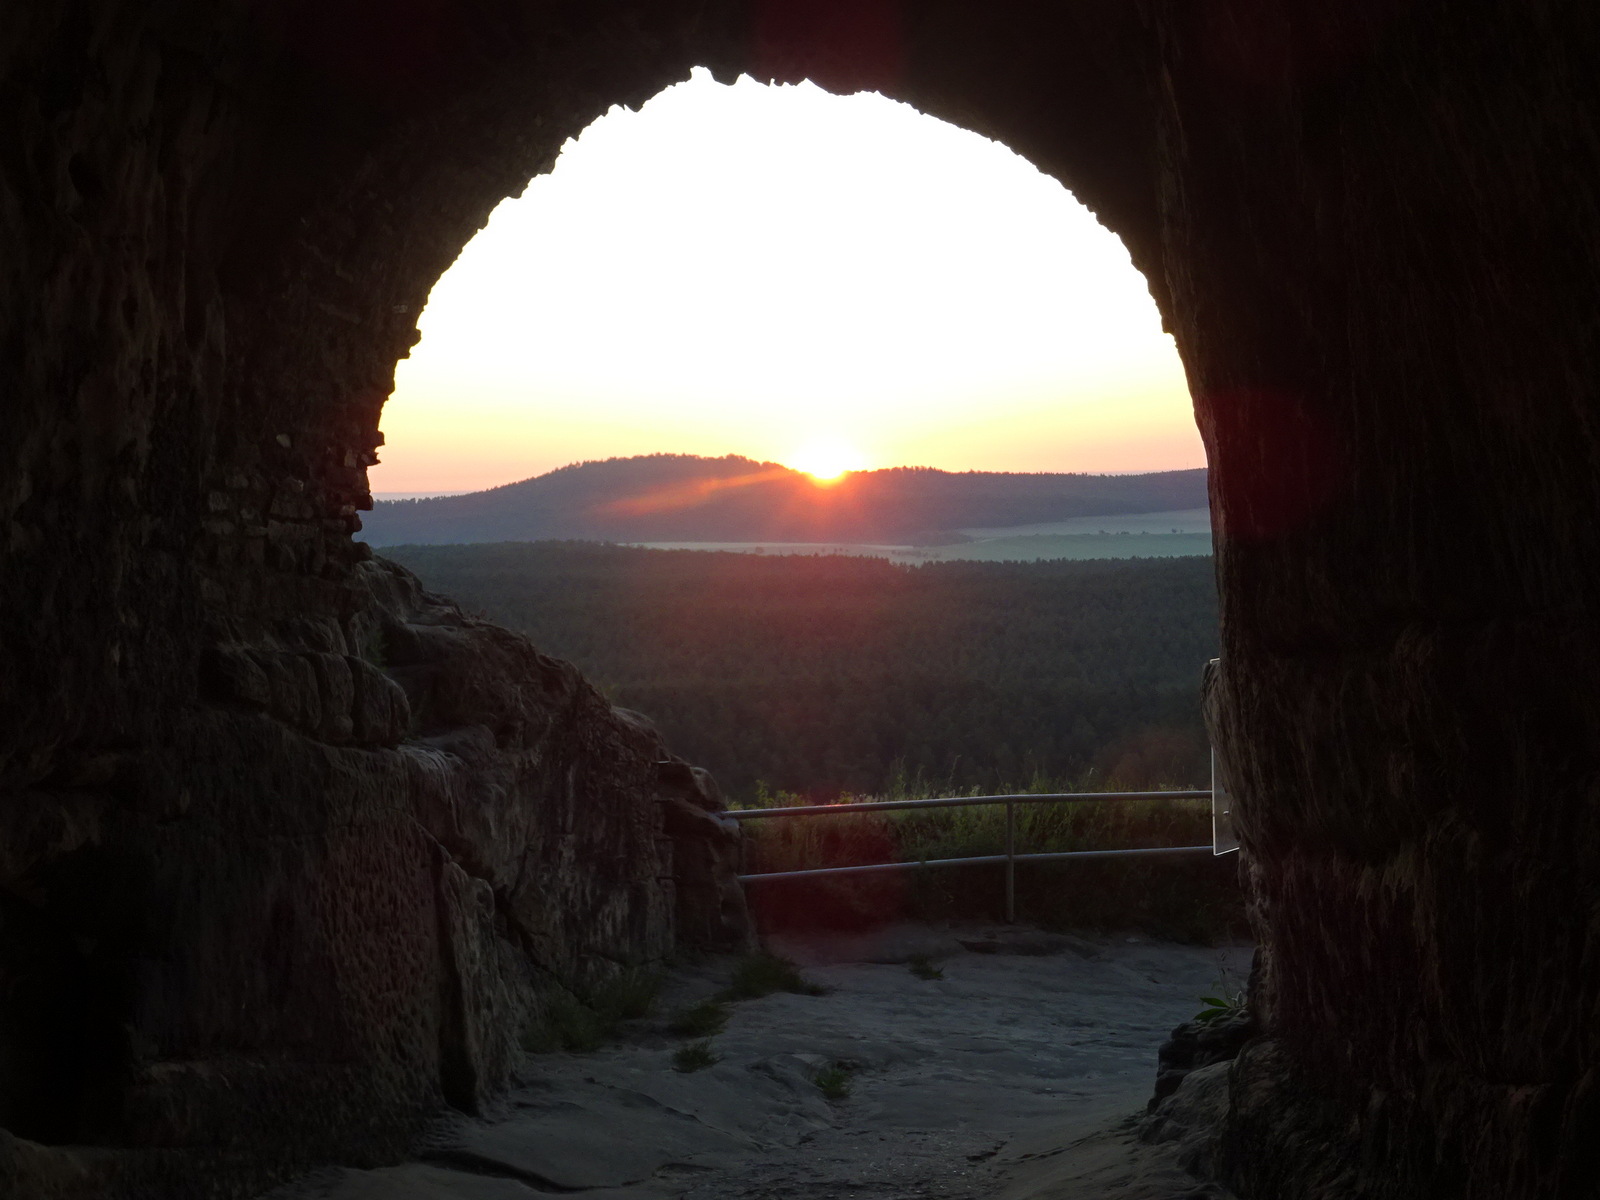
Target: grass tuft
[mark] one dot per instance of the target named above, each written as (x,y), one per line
(833,1082)
(1229,998)
(582,1024)
(700,1020)
(565,1023)
(696,1056)
(758,975)
(629,996)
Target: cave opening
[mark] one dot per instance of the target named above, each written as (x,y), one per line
(1371,229)
(787,277)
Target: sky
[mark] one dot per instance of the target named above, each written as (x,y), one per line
(829,282)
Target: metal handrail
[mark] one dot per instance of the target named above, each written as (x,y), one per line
(1011,858)
(828,810)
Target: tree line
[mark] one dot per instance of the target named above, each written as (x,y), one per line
(829,674)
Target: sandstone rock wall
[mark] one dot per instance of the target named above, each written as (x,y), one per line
(285,845)
(336,893)
(289,850)
(1382,248)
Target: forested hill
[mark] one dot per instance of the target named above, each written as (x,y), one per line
(679,497)
(827,673)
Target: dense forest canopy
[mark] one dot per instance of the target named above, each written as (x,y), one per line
(681,497)
(831,673)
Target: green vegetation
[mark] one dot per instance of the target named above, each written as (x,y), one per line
(1191,898)
(828,675)
(700,1020)
(753,976)
(696,1056)
(629,995)
(922,967)
(758,975)
(920,834)
(583,1023)
(834,1082)
(566,1023)
(1229,1000)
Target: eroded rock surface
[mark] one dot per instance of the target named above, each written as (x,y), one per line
(381,839)
(979,1083)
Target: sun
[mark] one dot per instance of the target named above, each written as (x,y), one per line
(827,460)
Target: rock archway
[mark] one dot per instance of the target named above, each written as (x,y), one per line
(287,847)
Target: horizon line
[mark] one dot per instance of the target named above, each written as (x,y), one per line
(443,493)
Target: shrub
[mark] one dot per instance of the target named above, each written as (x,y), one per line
(582,1024)
(628,996)
(566,1023)
(758,975)
(701,1020)
(833,1082)
(696,1056)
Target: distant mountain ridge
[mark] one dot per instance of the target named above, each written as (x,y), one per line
(686,498)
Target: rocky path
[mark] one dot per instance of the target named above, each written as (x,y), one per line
(965,1086)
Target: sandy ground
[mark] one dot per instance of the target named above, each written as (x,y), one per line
(1016,1075)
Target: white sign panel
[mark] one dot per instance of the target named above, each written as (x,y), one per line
(1222,836)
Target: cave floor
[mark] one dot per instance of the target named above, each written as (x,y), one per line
(1016,1075)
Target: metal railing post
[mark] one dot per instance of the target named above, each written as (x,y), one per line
(1011,863)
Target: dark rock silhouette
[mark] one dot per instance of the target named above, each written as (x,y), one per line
(1197,1044)
(243,927)
(450,827)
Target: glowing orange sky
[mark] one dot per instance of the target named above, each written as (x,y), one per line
(796,277)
